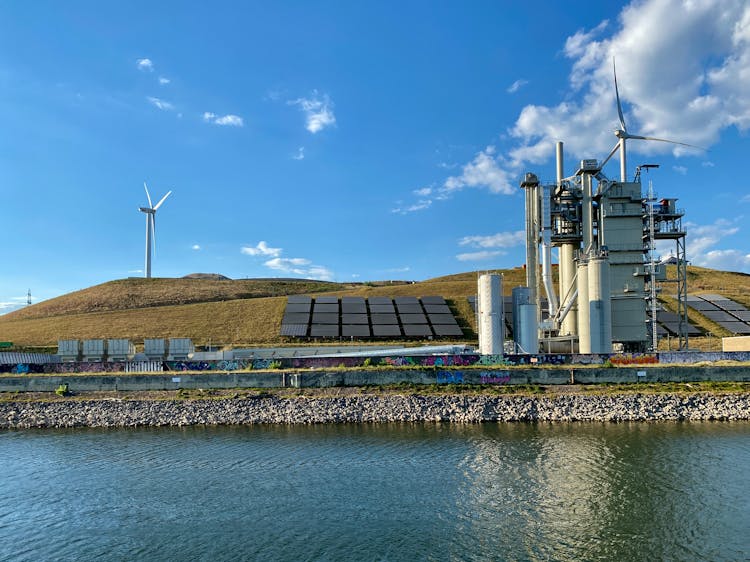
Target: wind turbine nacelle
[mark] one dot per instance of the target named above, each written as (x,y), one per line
(145,210)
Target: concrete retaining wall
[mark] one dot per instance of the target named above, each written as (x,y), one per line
(354,377)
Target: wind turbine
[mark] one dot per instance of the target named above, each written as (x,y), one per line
(151,226)
(623,134)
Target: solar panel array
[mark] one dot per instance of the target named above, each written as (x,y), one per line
(730,315)
(374,317)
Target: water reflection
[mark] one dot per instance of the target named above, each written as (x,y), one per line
(394,492)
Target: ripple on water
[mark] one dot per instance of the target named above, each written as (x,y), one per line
(391,492)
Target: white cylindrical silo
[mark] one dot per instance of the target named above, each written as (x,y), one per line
(525,321)
(490,314)
(600,305)
(584,330)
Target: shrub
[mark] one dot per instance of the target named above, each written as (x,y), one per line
(62,390)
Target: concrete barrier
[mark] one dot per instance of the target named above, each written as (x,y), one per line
(363,377)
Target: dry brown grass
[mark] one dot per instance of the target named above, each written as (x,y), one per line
(248,312)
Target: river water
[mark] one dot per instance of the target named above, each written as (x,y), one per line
(661,491)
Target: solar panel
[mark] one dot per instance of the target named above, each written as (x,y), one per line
(702,306)
(674,329)
(409,308)
(473,303)
(406,300)
(298,299)
(383,319)
(386,330)
(416,330)
(666,316)
(433,300)
(413,319)
(352,300)
(296,318)
(354,319)
(447,330)
(441,319)
(379,300)
(382,309)
(353,308)
(298,307)
(735,327)
(294,330)
(325,307)
(327,300)
(712,297)
(731,305)
(356,330)
(437,309)
(743,315)
(325,318)
(324,331)
(719,316)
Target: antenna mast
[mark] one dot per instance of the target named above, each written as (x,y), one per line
(28,298)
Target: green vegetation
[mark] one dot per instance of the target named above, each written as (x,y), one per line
(62,390)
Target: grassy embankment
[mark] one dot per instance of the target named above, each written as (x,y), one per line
(248,312)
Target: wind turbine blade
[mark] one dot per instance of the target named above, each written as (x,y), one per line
(147,195)
(617,95)
(665,140)
(611,154)
(162,200)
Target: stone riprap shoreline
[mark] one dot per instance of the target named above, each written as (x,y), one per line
(375,409)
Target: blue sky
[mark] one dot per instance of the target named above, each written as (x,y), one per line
(348,140)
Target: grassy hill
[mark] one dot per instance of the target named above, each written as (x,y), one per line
(248,312)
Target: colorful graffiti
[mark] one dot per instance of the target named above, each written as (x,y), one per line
(634,359)
(449,377)
(495,379)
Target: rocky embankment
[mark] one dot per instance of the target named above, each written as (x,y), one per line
(375,408)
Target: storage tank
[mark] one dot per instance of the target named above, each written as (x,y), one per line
(490,314)
(525,321)
(600,305)
(68,350)
(154,348)
(584,328)
(120,350)
(93,350)
(180,348)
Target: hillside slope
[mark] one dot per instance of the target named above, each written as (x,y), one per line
(248,312)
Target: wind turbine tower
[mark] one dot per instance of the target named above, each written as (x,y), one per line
(150,212)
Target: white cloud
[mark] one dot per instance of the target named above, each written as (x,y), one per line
(686,80)
(479,256)
(161,104)
(318,111)
(682,170)
(483,171)
(300,266)
(418,206)
(424,192)
(398,269)
(195,247)
(707,164)
(499,240)
(145,65)
(225,120)
(517,85)
(726,260)
(163,81)
(300,154)
(261,249)
(702,238)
